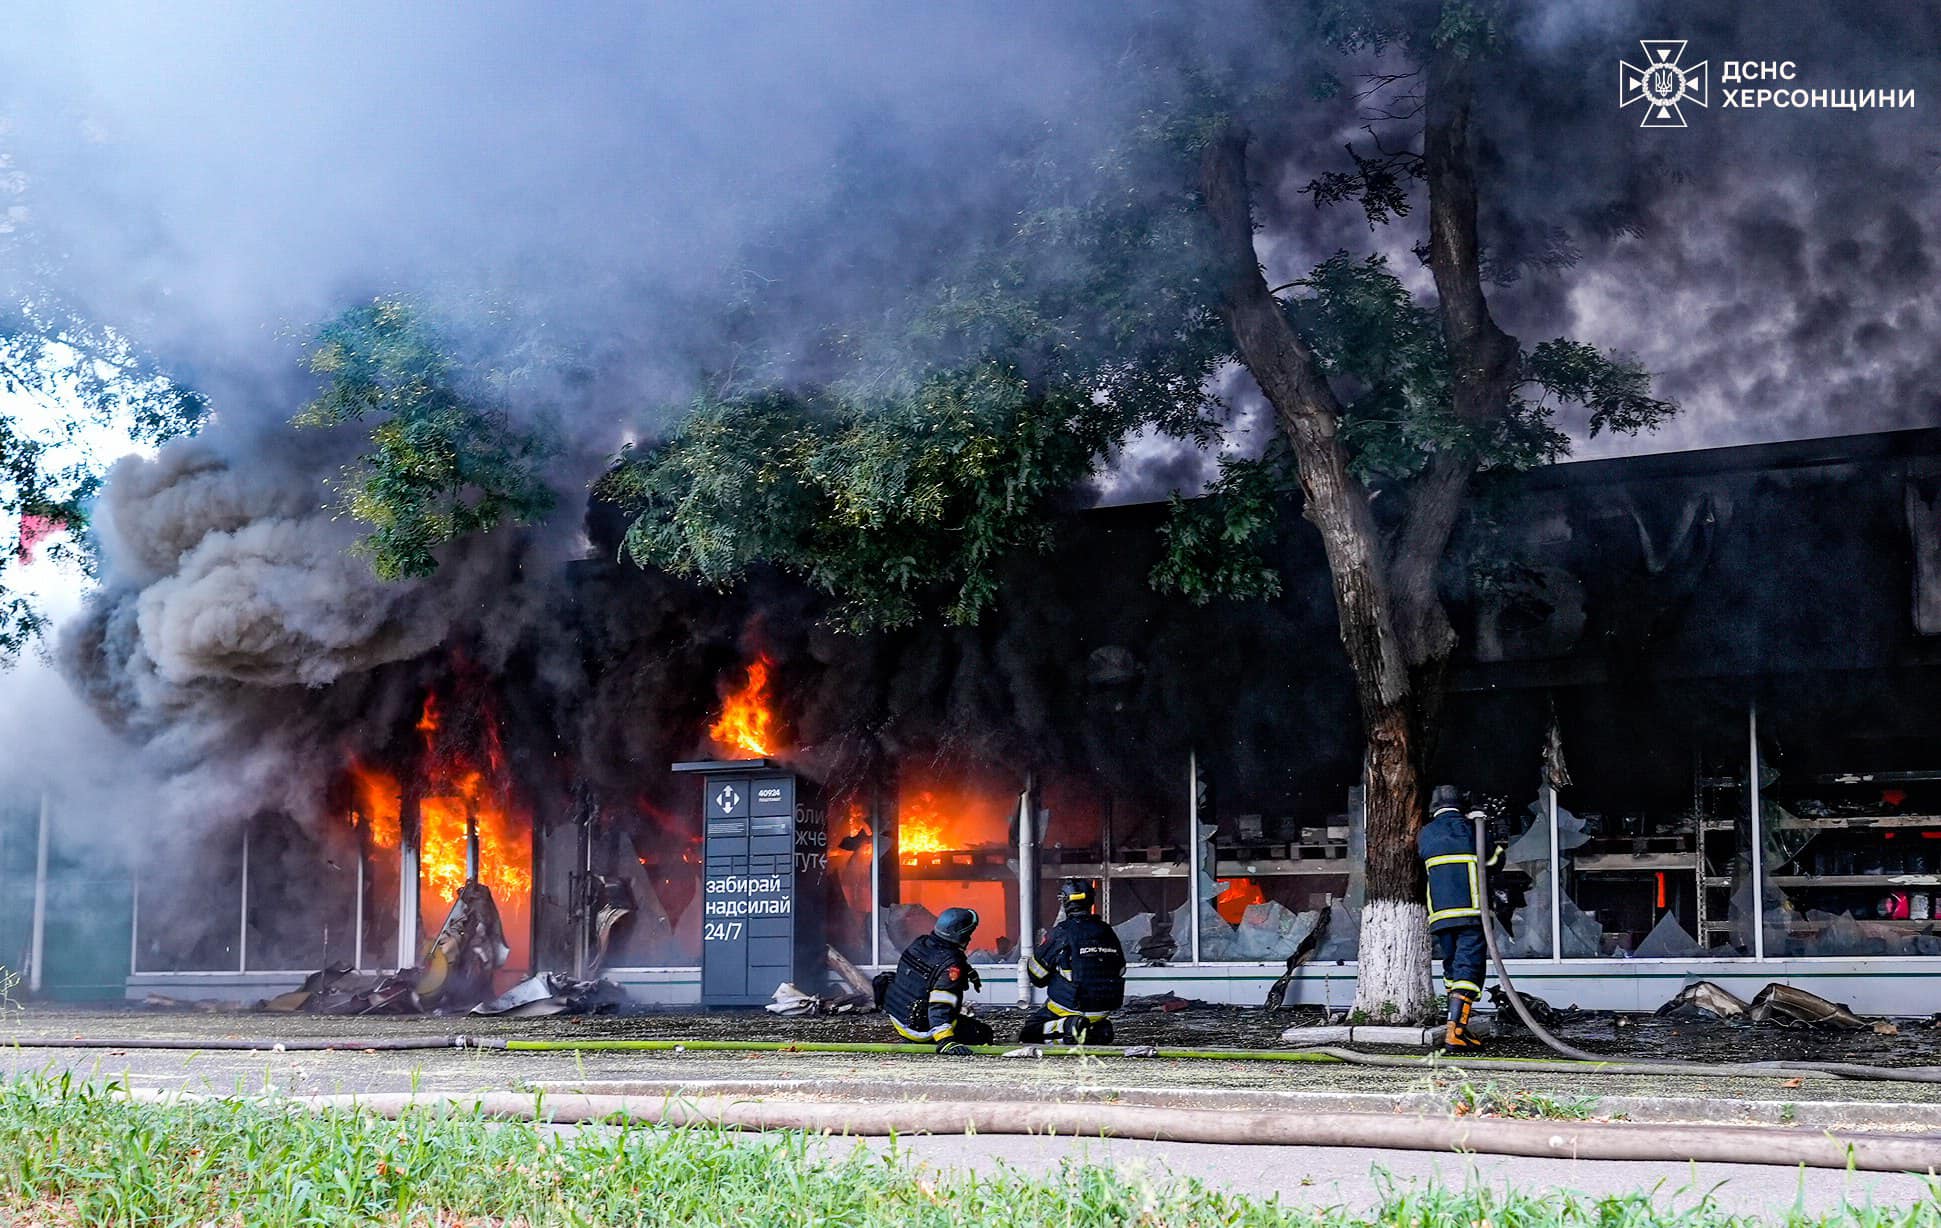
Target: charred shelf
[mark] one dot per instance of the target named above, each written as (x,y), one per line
(1855,880)
(1610,863)
(1833,822)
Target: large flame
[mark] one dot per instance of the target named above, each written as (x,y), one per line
(929,822)
(1233,902)
(461,781)
(459,789)
(747,721)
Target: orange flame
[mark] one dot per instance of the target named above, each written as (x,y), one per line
(926,824)
(1233,902)
(747,721)
(375,804)
(458,791)
(461,785)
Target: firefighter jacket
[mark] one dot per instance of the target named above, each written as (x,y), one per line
(1083,966)
(927,993)
(1447,846)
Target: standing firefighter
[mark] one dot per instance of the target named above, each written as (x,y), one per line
(1084,967)
(1447,846)
(925,997)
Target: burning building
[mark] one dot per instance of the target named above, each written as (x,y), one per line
(1702,687)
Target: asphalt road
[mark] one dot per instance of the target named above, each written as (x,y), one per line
(1356,1179)
(1298,1175)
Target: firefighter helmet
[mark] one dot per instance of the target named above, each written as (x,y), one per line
(1076,896)
(957,925)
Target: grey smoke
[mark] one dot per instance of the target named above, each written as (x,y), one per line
(217,182)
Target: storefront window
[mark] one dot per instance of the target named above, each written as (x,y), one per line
(302,911)
(1653,838)
(1850,794)
(643,900)
(956,847)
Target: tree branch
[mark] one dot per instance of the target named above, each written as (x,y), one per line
(1309,415)
(1483,359)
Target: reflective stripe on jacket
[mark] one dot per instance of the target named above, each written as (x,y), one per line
(927,994)
(1447,846)
(1081,965)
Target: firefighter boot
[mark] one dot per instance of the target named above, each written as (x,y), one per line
(1457,1034)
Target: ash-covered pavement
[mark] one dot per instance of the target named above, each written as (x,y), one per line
(919,1073)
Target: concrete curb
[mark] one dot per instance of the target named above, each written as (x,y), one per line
(1887,1116)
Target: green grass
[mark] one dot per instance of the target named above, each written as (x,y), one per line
(1491,1101)
(76,1153)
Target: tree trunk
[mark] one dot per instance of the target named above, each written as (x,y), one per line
(1393,623)
(1393,964)
(1393,978)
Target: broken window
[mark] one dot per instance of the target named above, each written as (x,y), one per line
(955,834)
(302,909)
(1850,778)
(640,901)
(1651,816)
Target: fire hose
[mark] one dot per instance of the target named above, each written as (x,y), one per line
(1844,1070)
(1576,1140)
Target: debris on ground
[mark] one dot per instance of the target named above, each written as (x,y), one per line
(1547,1016)
(789,1000)
(340,990)
(1166,1003)
(553,993)
(1787,1003)
(469,948)
(1705,1000)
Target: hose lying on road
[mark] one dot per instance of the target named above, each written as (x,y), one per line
(1584,1140)
(1785,1069)
(308,1044)
(1315,1054)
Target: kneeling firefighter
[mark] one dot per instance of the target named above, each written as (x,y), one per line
(1082,967)
(924,998)
(1447,846)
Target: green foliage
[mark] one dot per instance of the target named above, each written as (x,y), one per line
(1216,546)
(443,462)
(1617,392)
(64,377)
(83,1153)
(893,504)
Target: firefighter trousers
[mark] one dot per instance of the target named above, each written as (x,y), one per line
(1047,1024)
(1464,958)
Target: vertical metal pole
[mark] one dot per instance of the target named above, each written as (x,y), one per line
(134,921)
(1027,890)
(1193,854)
(1758,830)
(357,929)
(37,948)
(408,901)
(875,876)
(471,845)
(242,913)
(1556,874)
(1105,866)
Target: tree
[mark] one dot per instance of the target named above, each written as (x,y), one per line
(64,376)
(895,457)
(879,500)
(443,460)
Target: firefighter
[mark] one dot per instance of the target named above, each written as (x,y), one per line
(925,997)
(1083,969)
(1447,846)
